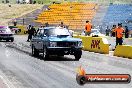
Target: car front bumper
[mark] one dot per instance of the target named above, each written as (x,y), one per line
(6,37)
(63,50)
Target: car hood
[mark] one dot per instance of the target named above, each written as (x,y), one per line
(99,34)
(64,39)
(5,32)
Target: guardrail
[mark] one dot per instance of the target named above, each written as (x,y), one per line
(22,30)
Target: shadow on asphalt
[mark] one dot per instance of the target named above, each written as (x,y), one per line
(51,58)
(55,58)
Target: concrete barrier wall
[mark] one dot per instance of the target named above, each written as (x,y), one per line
(123,51)
(95,44)
(23,30)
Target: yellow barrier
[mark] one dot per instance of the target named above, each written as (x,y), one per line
(23,30)
(123,51)
(95,44)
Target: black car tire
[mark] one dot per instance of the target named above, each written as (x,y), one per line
(78,54)
(12,39)
(45,53)
(16,31)
(35,52)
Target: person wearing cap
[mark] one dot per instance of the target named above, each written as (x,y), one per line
(88,28)
(119,34)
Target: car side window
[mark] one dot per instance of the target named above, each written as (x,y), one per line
(46,33)
(40,32)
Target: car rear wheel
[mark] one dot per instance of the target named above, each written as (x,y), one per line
(35,52)
(45,53)
(78,54)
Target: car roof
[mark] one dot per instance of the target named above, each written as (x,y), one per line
(94,29)
(49,27)
(46,28)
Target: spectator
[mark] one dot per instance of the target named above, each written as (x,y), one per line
(40,28)
(130,32)
(126,32)
(61,25)
(18,2)
(3,2)
(14,22)
(113,31)
(29,27)
(88,28)
(107,31)
(119,34)
(31,33)
(7,1)
(46,24)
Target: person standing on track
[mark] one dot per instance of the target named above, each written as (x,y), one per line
(119,34)
(107,31)
(126,32)
(31,33)
(88,28)
(113,31)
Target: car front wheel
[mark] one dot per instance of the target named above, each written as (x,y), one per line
(45,53)
(12,39)
(35,52)
(78,54)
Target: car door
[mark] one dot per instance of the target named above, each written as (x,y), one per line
(44,40)
(38,42)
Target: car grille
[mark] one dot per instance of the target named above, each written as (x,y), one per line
(66,44)
(5,34)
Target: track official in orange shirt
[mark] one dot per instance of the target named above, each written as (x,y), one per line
(119,34)
(88,28)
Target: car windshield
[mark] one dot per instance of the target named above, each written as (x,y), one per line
(56,32)
(5,29)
